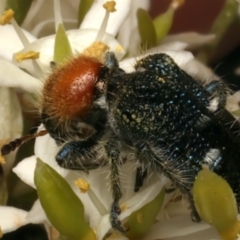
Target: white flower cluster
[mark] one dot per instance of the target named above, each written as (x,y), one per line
(173,221)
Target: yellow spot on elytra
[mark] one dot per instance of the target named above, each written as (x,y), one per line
(110,6)
(161,80)
(96,50)
(82,184)
(176,3)
(6,17)
(138,120)
(139,217)
(28,55)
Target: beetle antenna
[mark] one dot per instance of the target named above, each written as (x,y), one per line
(10,147)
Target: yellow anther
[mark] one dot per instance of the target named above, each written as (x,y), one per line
(28,55)
(161,80)
(96,50)
(82,184)
(177,3)
(6,17)
(124,207)
(119,48)
(110,6)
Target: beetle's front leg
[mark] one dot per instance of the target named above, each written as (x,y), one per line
(141,174)
(113,154)
(81,155)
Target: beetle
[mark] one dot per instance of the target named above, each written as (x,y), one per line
(158,113)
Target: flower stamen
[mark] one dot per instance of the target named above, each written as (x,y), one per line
(110,7)
(57,14)
(9,15)
(124,207)
(28,55)
(82,184)
(6,17)
(84,187)
(96,50)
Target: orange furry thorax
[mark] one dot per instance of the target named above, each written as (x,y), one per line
(68,91)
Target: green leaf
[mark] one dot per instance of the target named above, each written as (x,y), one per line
(215,203)
(63,208)
(62,47)
(226,17)
(20,8)
(83,8)
(146,29)
(163,23)
(139,222)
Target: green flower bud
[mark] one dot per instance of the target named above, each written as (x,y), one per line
(63,208)
(216,203)
(140,221)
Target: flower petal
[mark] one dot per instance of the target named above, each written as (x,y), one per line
(175,227)
(199,71)
(12,76)
(128,32)
(26,176)
(91,211)
(79,40)
(192,39)
(180,57)
(103,227)
(95,15)
(233,102)
(143,197)
(12,218)
(207,234)
(35,16)
(10,42)
(36,214)
(10,120)
(46,149)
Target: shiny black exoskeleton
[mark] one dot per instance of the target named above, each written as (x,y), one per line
(174,124)
(158,113)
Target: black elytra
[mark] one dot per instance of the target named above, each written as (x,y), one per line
(171,123)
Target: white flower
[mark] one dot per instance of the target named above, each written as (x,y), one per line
(11,114)
(12,218)
(173,221)
(98,201)
(40,24)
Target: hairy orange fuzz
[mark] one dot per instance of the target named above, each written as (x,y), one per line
(68,92)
